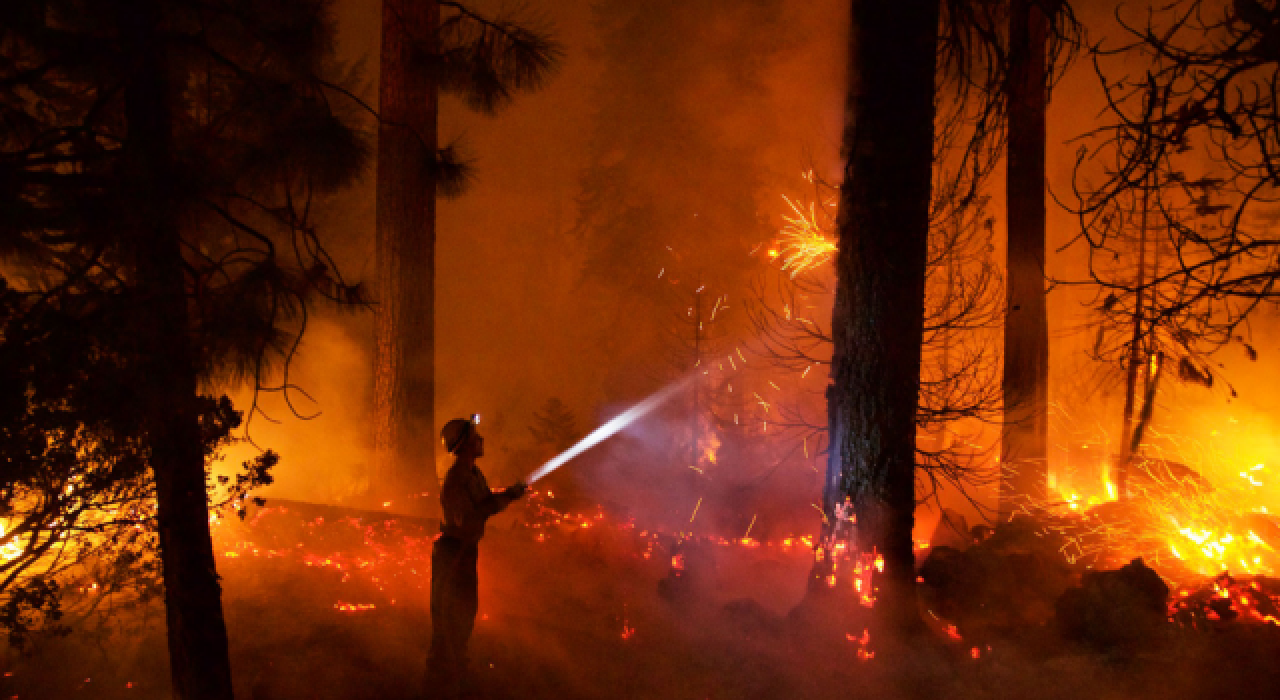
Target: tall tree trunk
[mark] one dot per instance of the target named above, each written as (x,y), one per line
(1024,449)
(1136,362)
(198,658)
(404,365)
(1150,384)
(694,431)
(877,323)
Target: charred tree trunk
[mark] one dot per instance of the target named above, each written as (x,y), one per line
(404,364)
(1152,383)
(198,658)
(1024,449)
(877,322)
(1136,362)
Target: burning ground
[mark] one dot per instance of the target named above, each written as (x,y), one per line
(326,602)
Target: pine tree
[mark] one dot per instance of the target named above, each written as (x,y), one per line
(877,322)
(162,157)
(554,426)
(429,49)
(1025,443)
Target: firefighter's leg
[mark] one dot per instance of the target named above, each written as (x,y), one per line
(442,679)
(468,597)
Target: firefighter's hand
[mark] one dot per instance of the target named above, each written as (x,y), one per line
(517,490)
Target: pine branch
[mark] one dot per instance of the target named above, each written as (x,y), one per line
(486,62)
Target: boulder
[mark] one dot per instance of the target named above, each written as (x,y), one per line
(1120,611)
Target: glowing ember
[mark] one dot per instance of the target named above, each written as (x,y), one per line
(353,607)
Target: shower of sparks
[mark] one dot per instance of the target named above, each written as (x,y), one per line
(1181,525)
(802,243)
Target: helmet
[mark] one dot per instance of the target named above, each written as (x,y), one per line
(456,432)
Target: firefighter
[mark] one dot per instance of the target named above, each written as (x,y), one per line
(467,502)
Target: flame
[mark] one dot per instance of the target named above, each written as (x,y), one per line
(1179,522)
(711,442)
(13,548)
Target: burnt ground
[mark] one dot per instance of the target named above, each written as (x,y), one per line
(581,612)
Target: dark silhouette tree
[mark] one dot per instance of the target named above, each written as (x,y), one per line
(877,322)
(429,49)
(554,426)
(960,373)
(1200,126)
(1188,148)
(1152,322)
(167,154)
(970,129)
(1025,441)
(78,498)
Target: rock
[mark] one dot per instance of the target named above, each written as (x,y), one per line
(1122,611)
(751,617)
(1001,587)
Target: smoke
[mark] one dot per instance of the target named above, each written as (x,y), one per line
(604,432)
(321,429)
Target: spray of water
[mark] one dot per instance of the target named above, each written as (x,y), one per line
(605,431)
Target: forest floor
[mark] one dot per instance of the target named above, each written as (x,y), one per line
(324,603)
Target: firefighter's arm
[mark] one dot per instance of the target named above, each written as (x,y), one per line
(499,500)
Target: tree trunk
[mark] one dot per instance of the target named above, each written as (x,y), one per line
(198,658)
(694,428)
(404,365)
(1136,362)
(1152,382)
(1024,449)
(877,322)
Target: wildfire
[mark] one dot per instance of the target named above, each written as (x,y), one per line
(12,549)
(1177,521)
